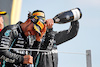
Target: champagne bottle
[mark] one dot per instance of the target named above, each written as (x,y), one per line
(68,16)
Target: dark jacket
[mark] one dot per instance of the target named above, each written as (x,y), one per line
(50,42)
(12,36)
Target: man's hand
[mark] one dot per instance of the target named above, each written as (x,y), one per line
(28,59)
(43,31)
(49,23)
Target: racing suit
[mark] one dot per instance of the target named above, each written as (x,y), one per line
(12,36)
(50,42)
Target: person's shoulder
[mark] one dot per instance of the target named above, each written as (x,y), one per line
(13,26)
(9,26)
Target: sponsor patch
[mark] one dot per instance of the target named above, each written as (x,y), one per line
(7,33)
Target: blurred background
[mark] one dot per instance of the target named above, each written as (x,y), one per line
(87,38)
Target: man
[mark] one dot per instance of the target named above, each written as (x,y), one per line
(1,19)
(17,36)
(1,25)
(51,40)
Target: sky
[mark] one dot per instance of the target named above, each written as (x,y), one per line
(88,37)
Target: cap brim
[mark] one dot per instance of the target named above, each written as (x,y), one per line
(3,12)
(37,29)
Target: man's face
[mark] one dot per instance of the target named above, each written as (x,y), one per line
(29,29)
(1,22)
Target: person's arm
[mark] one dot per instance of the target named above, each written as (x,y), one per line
(49,37)
(7,40)
(37,43)
(66,35)
(38,38)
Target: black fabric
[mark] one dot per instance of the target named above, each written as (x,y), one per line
(65,35)
(12,36)
(50,42)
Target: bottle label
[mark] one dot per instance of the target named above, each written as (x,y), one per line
(76,14)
